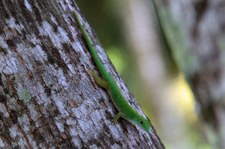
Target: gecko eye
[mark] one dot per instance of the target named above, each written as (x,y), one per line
(141,122)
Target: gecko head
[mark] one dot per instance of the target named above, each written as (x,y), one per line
(142,122)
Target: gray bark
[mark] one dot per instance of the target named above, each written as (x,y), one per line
(47,97)
(195,31)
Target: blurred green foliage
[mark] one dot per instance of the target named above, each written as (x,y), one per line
(103,19)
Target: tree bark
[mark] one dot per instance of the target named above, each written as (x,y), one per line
(195,31)
(48,99)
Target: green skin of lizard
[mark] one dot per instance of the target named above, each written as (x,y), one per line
(125,110)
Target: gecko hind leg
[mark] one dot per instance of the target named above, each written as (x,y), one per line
(118,115)
(101,82)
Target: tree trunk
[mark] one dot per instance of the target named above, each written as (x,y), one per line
(47,97)
(196,33)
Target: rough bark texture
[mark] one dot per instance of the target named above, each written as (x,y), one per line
(196,31)
(47,97)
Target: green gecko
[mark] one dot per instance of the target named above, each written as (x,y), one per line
(107,82)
